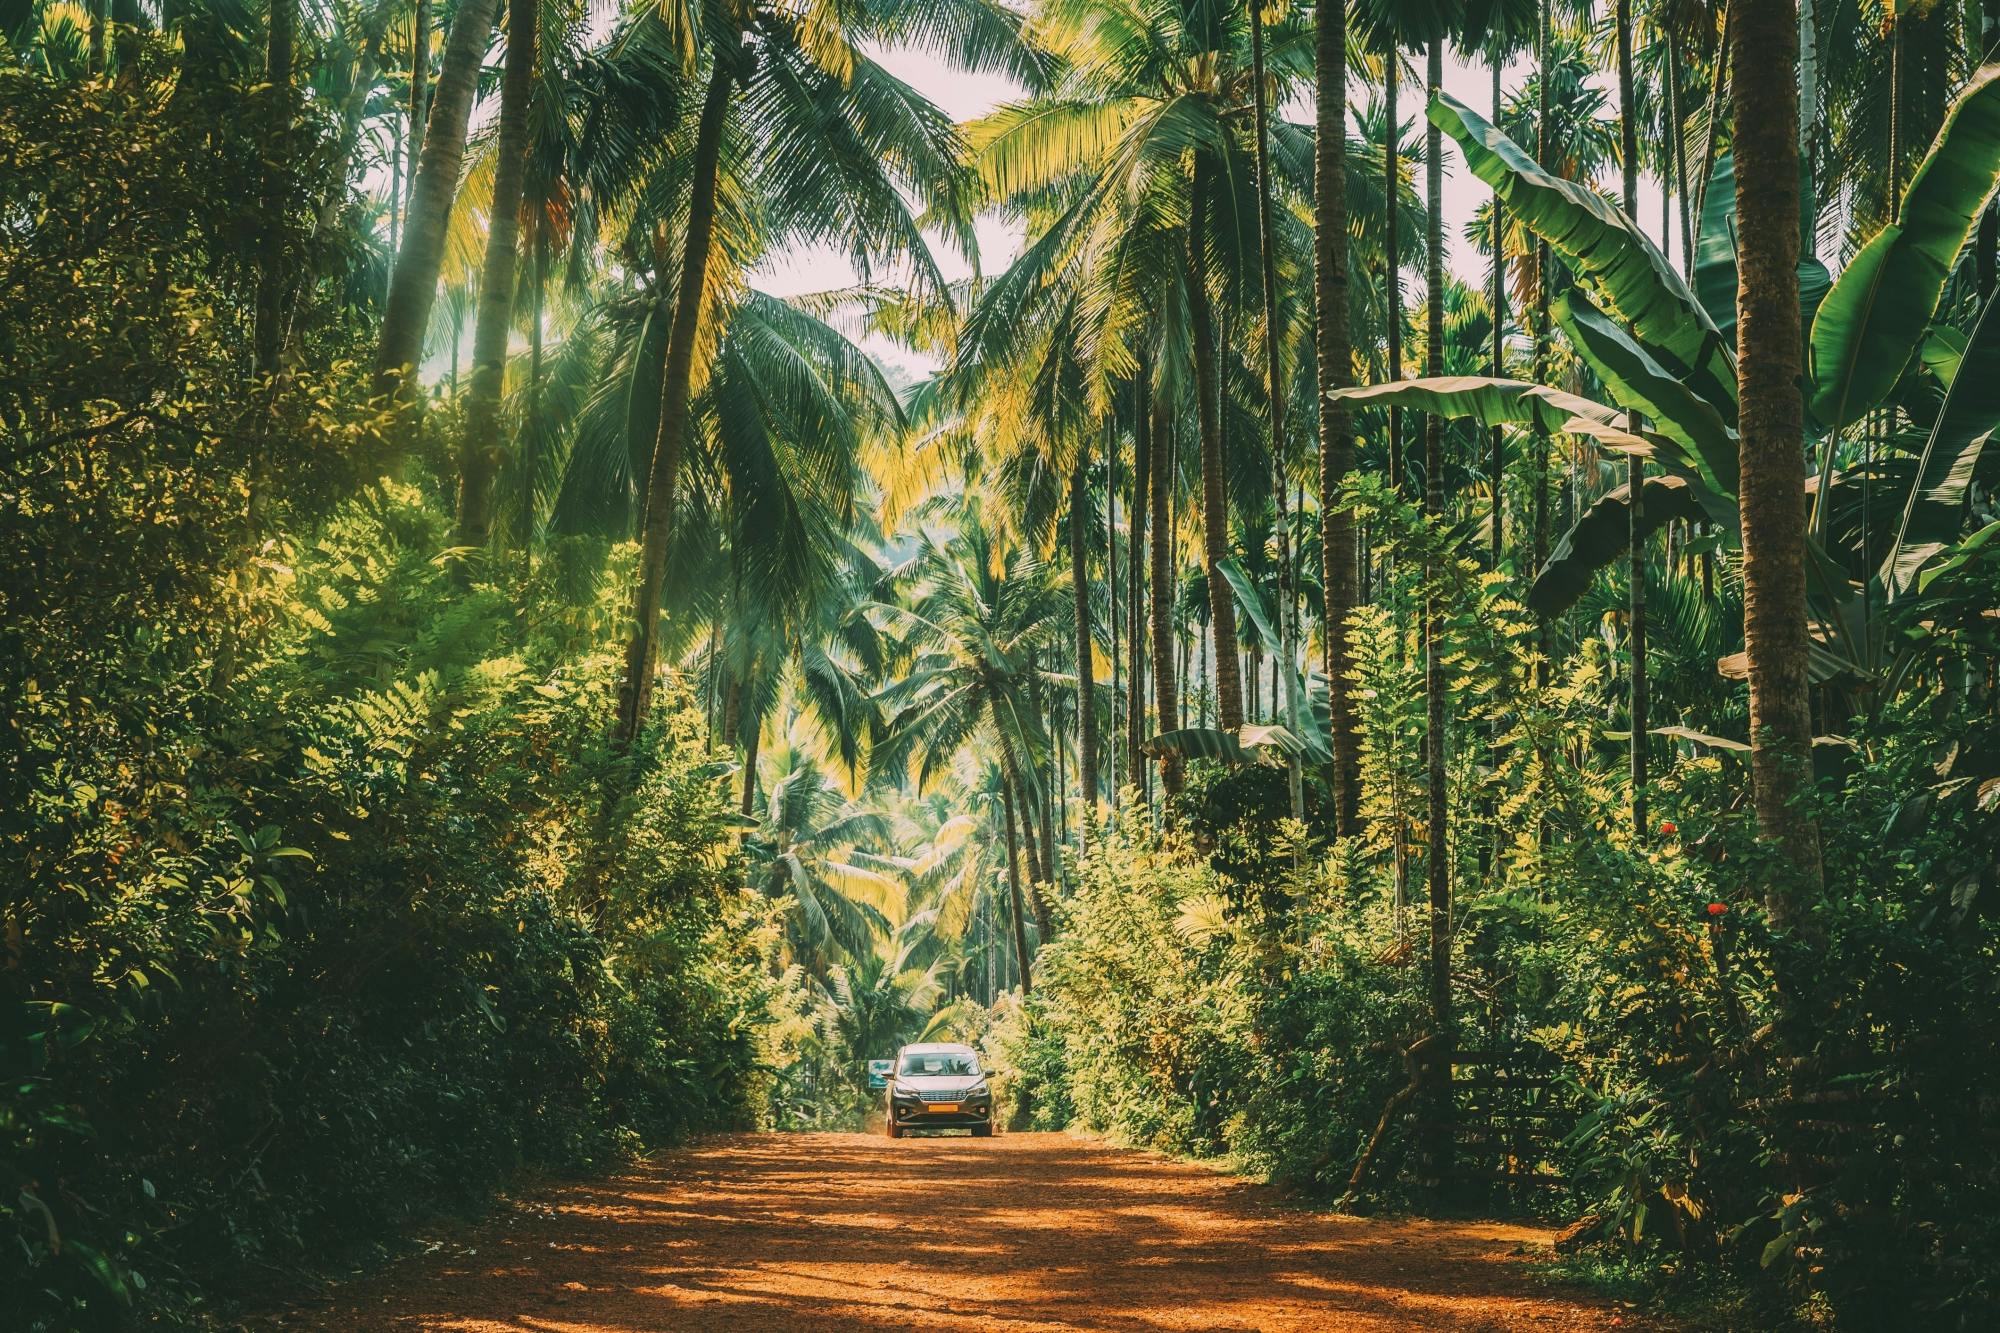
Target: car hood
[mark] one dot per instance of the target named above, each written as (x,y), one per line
(939,1082)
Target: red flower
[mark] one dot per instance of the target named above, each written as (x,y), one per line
(1717,909)
(1668,828)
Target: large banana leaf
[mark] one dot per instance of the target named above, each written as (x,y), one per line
(1255,605)
(1715,257)
(1489,401)
(1248,745)
(1641,384)
(1635,279)
(1873,320)
(1935,507)
(1258,607)
(1715,247)
(1603,536)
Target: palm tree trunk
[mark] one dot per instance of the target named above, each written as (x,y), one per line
(1392,251)
(413,286)
(1986,249)
(1168,665)
(1543,277)
(753,736)
(1437,860)
(480,451)
(1214,495)
(1135,574)
(636,693)
(1275,389)
(531,430)
(1496,443)
(1014,886)
(1772,463)
(1635,472)
(1086,685)
(274,277)
(420,68)
(97,19)
(1678,122)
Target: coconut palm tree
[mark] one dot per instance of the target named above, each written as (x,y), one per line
(815,848)
(413,285)
(480,453)
(832,148)
(1771,426)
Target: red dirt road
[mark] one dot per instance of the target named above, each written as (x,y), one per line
(1024,1233)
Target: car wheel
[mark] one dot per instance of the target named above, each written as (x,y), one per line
(982,1131)
(894,1130)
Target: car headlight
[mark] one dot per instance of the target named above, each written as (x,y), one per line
(979,1089)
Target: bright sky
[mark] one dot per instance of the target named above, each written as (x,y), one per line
(967,96)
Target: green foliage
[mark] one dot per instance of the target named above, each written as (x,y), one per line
(321,969)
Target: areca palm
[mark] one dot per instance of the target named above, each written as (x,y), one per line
(1139,189)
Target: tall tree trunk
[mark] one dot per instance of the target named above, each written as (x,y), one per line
(1114,595)
(1214,492)
(273,277)
(1274,387)
(1014,885)
(1086,685)
(1718,85)
(1392,252)
(1772,465)
(1986,248)
(395,194)
(420,69)
(531,429)
(1496,443)
(413,285)
(1135,575)
(1437,860)
(96,57)
(753,738)
(635,694)
(1543,276)
(1043,789)
(480,451)
(1168,666)
(1635,470)
(1677,122)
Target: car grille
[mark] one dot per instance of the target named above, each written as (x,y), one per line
(932,1095)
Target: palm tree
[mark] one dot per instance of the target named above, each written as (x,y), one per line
(413,286)
(835,141)
(273,279)
(811,846)
(480,452)
(1772,428)
(1335,364)
(975,620)
(1628,129)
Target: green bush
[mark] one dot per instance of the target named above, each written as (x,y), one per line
(305,975)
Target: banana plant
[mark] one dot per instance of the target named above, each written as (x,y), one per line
(1660,351)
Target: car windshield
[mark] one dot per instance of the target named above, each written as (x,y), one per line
(939,1064)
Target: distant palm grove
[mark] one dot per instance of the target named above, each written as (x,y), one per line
(1462,697)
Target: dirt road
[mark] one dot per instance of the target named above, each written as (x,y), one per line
(1025,1232)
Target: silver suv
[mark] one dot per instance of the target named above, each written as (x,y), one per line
(939,1085)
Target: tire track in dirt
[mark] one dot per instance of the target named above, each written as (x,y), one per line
(1019,1234)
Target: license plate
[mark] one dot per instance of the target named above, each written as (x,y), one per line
(943,1108)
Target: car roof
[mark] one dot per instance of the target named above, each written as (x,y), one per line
(937,1048)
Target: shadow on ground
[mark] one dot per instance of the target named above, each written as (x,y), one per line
(1024,1232)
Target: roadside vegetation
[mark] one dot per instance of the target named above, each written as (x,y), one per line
(1495,717)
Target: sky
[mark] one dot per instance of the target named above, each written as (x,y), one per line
(966,96)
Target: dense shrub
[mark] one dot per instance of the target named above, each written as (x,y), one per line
(298,978)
